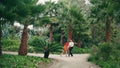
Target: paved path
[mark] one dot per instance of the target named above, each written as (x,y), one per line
(78,61)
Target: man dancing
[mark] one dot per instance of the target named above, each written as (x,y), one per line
(70,47)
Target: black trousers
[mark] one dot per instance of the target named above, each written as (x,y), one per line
(70,51)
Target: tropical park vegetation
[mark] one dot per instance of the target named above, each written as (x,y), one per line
(94,26)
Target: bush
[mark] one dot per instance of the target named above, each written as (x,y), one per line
(39,44)
(105,50)
(10,44)
(78,50)
(107,55)
(35,44)
(55,47)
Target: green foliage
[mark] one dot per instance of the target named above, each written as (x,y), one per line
(106,50)
(107,55)
(55,47)
(35,44)
(39,44)
(12,61)
(78,50)
(35,41)
(10,44)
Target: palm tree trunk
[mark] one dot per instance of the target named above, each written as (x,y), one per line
(69,32)
(23,45)
(51,34)
(108,33)
(0,38)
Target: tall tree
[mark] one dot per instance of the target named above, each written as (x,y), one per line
(27,12)
(50,15)
(66,18)
(105,11)
(69,17)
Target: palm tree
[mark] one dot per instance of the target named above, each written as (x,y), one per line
(23,11)
(51,17)
(105,11)
(27,15)
(66,18)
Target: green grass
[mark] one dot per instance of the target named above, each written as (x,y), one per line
(16,61)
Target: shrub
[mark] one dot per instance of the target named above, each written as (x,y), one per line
(10,44)
(39,44)
(79,50)
(105,50)
(107,55)
(55,47)
(93,50)
(35,44)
